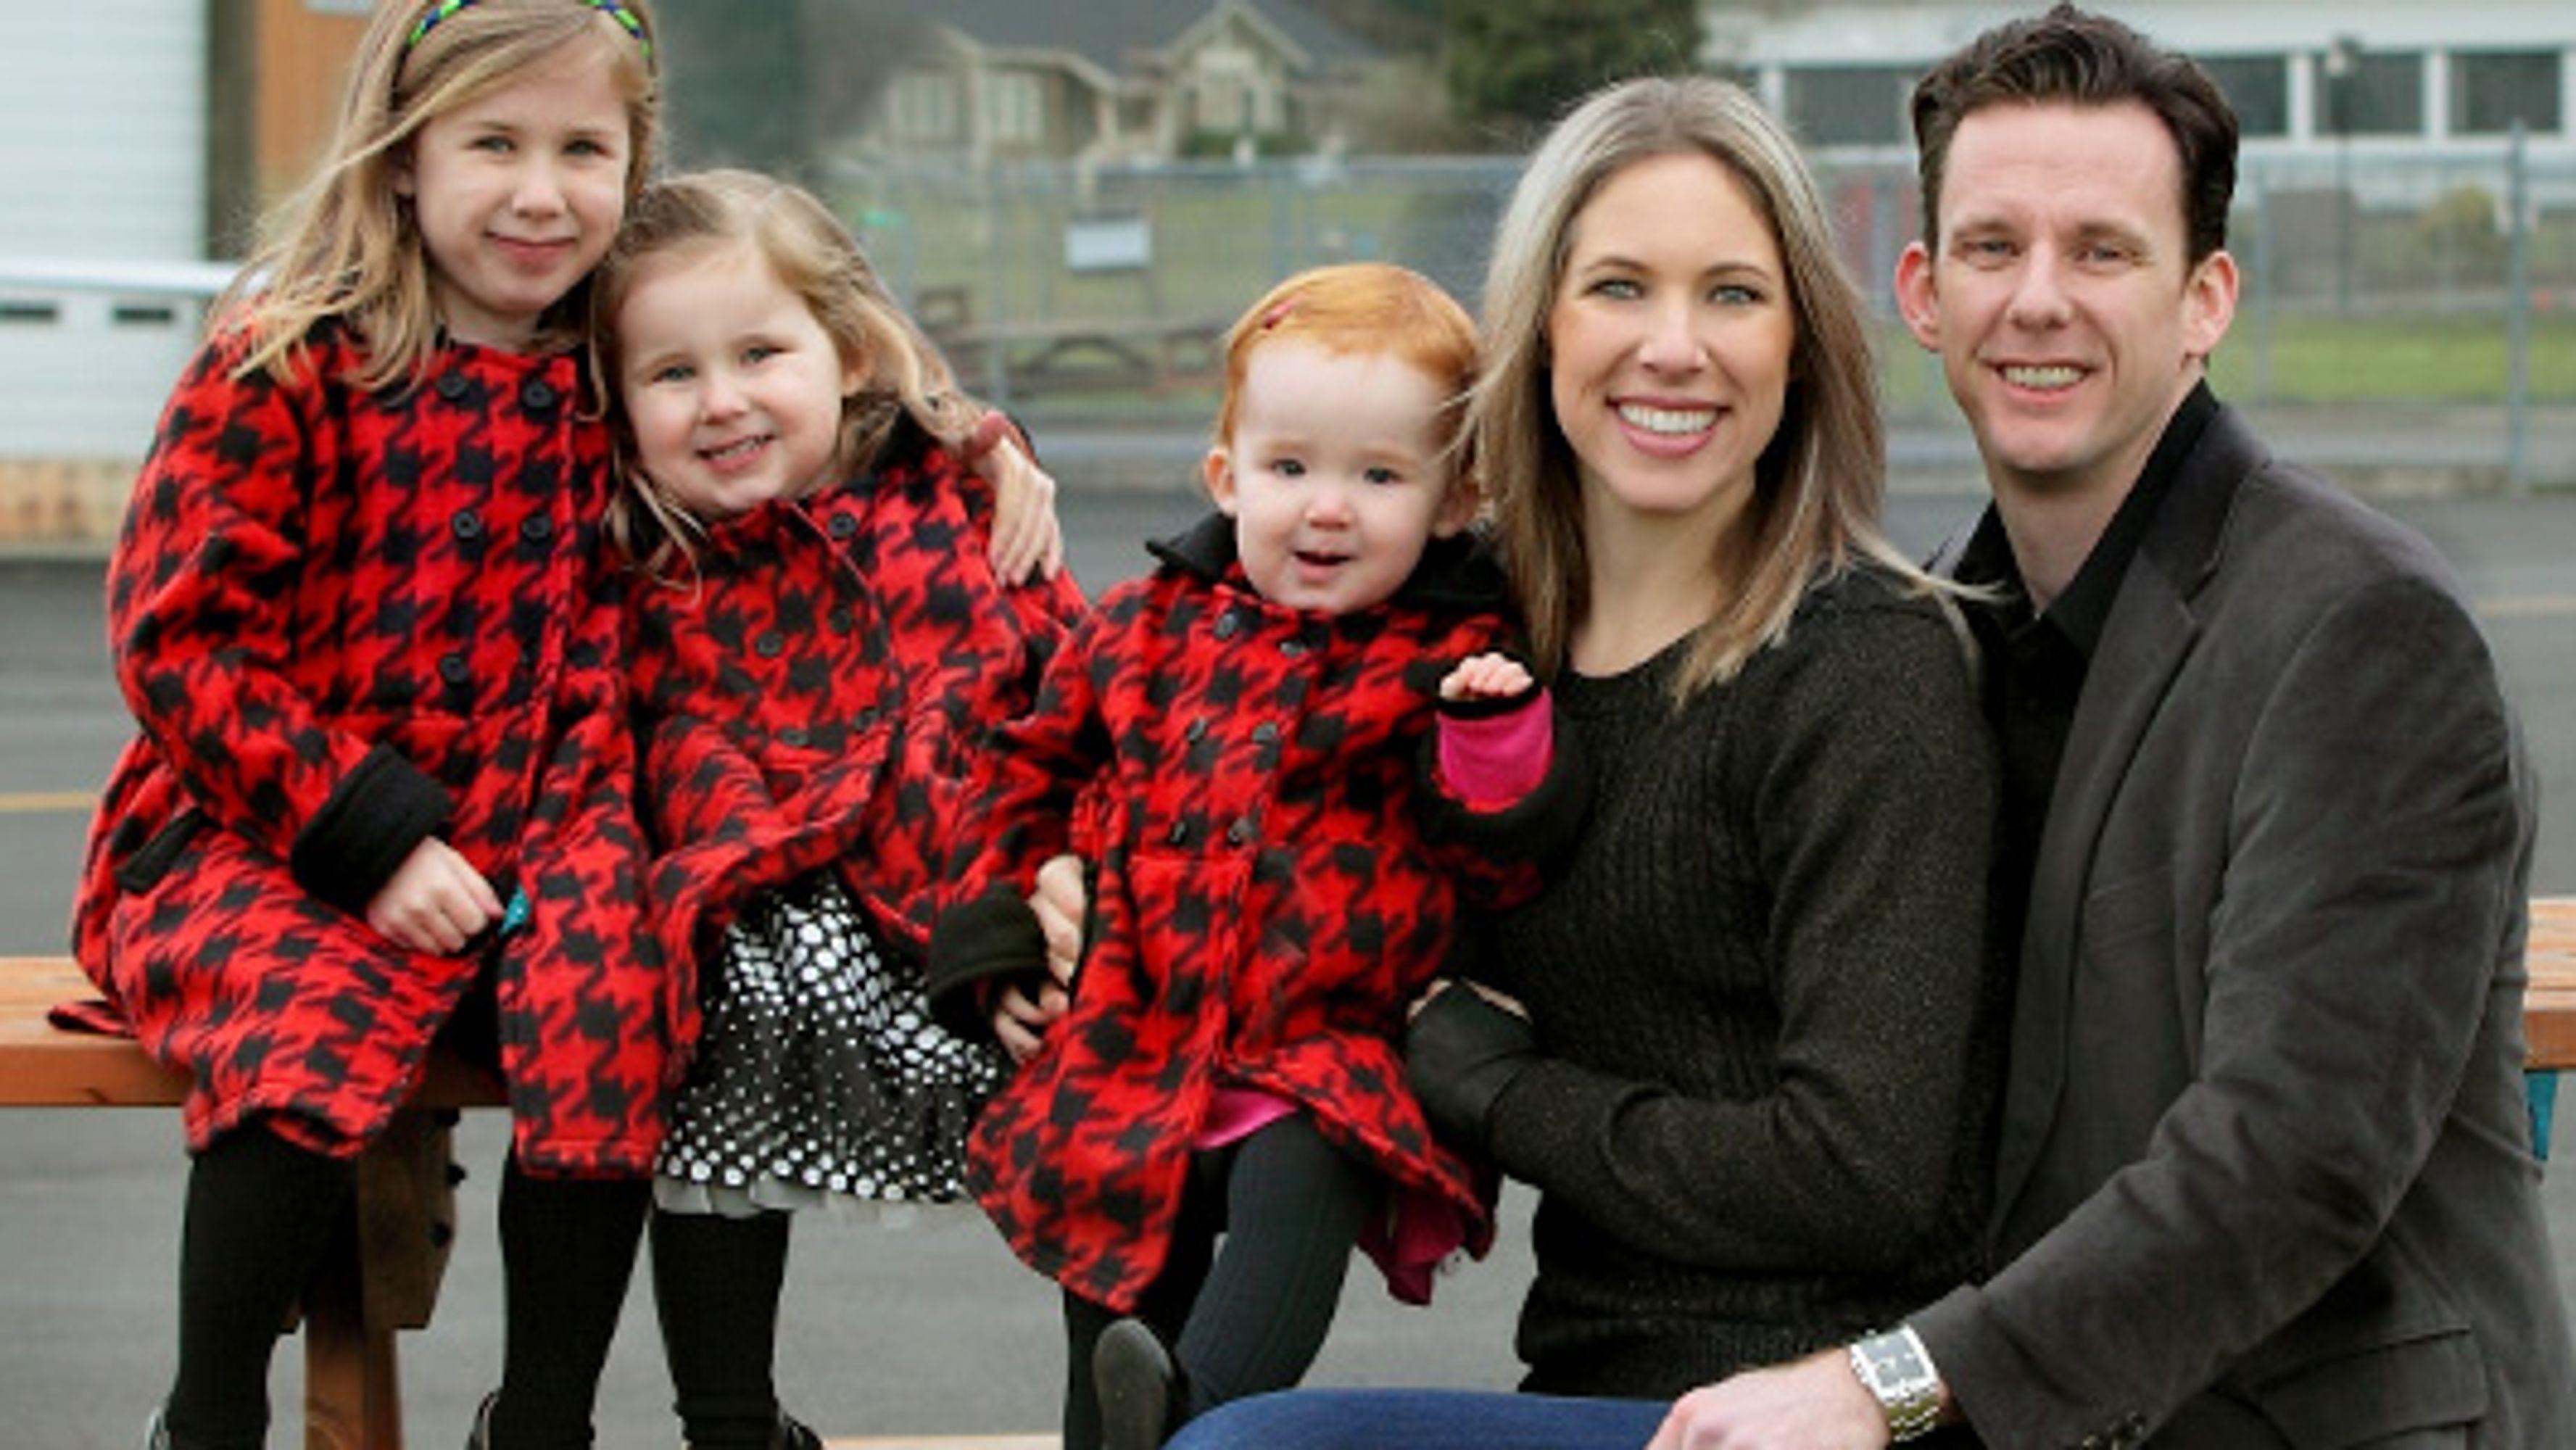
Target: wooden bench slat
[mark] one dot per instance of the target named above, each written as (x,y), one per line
(2549,1003)
(42,1066)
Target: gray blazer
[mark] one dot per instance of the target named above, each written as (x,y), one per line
(2264,1176)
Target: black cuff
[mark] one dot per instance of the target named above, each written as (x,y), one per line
(986,941)
(1460,1053)
(1539,829)
(374,818)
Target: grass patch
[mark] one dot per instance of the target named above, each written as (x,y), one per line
(2442,359)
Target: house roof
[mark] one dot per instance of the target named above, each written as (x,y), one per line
(1107,34)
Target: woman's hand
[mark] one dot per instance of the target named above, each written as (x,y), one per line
(1463,1047)
(435,901)
(1028,538)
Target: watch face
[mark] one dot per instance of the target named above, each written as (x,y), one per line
(1891,1357)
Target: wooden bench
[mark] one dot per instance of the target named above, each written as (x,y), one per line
(383,1272)
(352,1393)
(2549,1005)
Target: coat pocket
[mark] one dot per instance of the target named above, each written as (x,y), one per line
(2382,1355)
(2372,1396)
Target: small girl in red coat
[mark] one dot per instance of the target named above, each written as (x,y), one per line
(1264,904)
(820,631)
(383,788)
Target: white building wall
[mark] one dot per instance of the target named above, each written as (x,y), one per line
(102,162)
(1771,40)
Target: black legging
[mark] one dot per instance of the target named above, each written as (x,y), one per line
(261,1212)
(716,1285)
(1251,1316)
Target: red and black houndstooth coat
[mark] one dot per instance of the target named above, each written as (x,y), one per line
(345,621)
(1264,908)
(809,691)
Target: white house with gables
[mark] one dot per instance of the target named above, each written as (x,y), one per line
(1118,80)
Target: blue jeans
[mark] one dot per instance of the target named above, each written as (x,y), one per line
(1397,1419)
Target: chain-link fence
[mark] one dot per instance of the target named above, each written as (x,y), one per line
(2375,278)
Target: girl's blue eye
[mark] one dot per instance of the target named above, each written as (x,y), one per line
(1291,467)
(1382,475)
(1617,287)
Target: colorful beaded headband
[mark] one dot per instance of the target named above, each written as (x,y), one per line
(610,8)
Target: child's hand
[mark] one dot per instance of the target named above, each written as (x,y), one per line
(1023,1012)
(1021,1017)
(435,901)
(1028,538)
(1490,676)
(1059,901)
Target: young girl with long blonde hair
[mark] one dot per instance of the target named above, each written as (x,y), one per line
(382,791)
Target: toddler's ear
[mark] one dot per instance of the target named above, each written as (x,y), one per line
(1217,468)
(1458,509)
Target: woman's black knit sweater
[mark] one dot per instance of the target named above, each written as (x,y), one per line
(1767,1007)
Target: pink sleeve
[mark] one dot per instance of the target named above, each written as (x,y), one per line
(1490,761)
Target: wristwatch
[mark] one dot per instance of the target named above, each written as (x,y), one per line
(1895,1367)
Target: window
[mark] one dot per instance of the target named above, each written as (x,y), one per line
(143,314)
(2257,87)
(1860,105)
(2377,94)
(1014,106)
(924,106)
(25,312)
(2492,90)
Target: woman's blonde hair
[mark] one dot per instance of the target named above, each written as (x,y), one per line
(346,246)
(814,257)
(1818,485)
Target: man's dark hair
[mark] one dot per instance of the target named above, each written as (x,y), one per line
(2075,56)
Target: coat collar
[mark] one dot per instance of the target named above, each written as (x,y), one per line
(1457,573)
(2153,625)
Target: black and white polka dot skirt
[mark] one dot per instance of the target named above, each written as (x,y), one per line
(820,1078)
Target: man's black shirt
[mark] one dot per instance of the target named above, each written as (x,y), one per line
(2036,661)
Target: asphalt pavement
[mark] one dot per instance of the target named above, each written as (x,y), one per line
(912,1324)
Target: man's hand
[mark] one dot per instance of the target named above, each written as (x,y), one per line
(1815,1403)
(1028,538)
